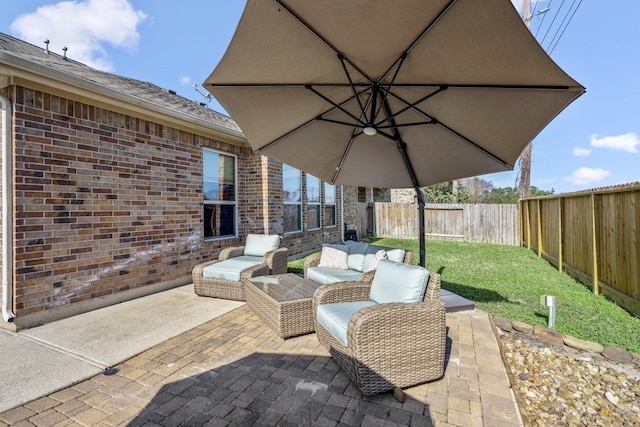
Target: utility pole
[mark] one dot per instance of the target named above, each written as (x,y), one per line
(524,174)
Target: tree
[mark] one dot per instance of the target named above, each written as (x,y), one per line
(445,192)
(524,172)
(477,189)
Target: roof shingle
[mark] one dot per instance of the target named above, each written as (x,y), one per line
(137,88)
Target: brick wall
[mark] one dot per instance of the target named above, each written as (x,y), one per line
(106,202)
(351,206)
(403,195)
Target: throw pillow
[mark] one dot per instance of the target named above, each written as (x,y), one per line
(334,256)
(381,254)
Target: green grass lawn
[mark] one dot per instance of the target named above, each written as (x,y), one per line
(508,281)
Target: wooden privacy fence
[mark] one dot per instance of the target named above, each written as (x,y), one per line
(591,235)
(462,222)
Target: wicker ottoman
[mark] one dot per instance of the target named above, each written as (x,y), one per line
(282,301)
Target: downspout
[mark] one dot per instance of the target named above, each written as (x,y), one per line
(7,216)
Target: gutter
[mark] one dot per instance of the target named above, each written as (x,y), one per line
(7,217)
(50,75)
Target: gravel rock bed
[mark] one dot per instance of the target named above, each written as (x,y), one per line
(557,385)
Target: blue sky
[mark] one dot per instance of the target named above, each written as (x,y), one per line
(595,142)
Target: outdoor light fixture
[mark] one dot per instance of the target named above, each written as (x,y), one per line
(550,301)
(370,130)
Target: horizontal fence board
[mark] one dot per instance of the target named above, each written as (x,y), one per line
(593,236)
(460,222)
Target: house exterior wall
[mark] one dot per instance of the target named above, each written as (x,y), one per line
(106,202)
(403,195)
(350,207)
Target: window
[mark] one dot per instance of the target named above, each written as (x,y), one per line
(220,199)
(329,205)
(292,194)
(313,202)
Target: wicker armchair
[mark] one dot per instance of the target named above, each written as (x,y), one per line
(273,262)
(390,345)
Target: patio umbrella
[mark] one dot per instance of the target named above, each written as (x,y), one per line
(390,94)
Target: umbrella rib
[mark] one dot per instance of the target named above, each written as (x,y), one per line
(338,122)
(420,36)
(431,122)
(343,158)
(435,121)
(335,105)
(389,87)
(411,105)
(346,72)
(486,86)
(482,150)
(319,37)
(307,123)
(285,85)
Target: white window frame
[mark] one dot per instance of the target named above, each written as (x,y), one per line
(317,205)
(221,202)
(327,203)
(297,203)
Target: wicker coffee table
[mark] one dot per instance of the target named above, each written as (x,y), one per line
(283,302)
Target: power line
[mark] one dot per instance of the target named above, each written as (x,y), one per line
(552,22)
(544,15)
(565,27)
(558,30)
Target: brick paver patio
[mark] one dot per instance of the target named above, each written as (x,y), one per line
(233,370)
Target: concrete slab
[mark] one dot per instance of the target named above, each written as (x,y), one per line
(113,334)
(29,370)
(455,302)
(38,361)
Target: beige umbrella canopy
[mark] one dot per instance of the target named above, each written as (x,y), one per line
(389,94)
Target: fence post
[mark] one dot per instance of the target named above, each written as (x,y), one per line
(560,202)
(520,222)
(596,281)
(539,229)
(528,227)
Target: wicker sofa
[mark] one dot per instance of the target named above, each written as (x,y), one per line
(359,258)
(383,346)
(222,278)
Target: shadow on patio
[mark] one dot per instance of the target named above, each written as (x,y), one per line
(276,389)
(233,370)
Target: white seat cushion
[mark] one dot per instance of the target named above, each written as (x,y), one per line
(230,269)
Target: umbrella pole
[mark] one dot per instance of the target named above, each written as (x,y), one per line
(420,196)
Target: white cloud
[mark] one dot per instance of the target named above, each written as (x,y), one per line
(628,142)
(184,80)
(586,175)
(581,152)
(83,27)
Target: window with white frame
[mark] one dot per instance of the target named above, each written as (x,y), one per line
(220,194)
(329,205)
(292,195)
(313,202)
